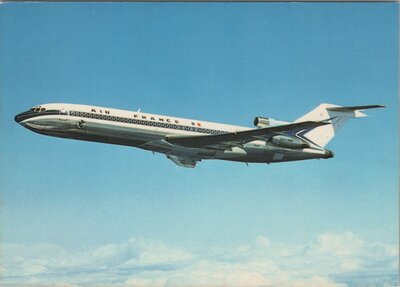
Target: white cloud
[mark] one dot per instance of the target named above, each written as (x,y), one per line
(263,242)
(336,244)
(331,260)
(316,281)
(144,282)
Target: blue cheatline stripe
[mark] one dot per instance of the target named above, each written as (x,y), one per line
(145,123)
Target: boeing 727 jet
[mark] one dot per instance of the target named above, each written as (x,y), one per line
(186,141)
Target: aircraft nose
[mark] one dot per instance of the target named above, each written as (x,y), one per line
(23,116)
(18,118)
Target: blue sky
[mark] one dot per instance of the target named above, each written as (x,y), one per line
(222,62)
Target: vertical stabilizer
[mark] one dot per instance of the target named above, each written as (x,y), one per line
(336,115)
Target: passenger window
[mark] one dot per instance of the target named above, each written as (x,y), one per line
(144,117)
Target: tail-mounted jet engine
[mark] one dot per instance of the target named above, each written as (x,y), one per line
(267,122)
(289,142)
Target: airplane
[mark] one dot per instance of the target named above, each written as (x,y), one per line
(187,142)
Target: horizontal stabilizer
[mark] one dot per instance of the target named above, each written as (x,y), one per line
(354,108)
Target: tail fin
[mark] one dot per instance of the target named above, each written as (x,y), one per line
(336,115)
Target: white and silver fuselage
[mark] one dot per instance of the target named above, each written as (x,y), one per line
(148,131)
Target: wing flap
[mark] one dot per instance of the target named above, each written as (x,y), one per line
(242,137)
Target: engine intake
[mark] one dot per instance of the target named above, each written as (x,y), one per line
(267,122)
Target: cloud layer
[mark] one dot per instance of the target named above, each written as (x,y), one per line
(331,260)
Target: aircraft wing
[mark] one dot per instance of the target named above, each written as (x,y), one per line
(182,161)
(228,140)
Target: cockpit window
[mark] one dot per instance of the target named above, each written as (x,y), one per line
(42,109)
